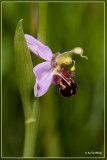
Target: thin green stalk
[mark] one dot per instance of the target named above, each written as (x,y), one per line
(42,22)
(26,80)
(31,125)
(31,122)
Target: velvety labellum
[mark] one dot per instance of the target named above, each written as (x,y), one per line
(65,82)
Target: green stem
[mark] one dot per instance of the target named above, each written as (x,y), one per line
(31,118)
(42,22)
(31,124)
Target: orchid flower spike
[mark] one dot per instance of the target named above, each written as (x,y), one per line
(54,69)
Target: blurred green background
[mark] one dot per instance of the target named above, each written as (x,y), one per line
(68,127)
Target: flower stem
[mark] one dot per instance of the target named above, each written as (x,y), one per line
(31,119)
(42,22)
(31,124)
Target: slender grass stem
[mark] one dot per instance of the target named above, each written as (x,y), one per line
(31,122)
(31,125)
(42,22)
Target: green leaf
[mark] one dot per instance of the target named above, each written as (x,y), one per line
(24,67)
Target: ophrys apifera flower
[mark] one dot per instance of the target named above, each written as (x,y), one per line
(54,69)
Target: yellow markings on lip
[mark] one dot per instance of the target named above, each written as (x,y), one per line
(63,86)
(71,91)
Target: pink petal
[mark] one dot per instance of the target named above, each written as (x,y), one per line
(43,78)
(38,48)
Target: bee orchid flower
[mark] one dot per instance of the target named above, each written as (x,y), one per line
(54,69)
